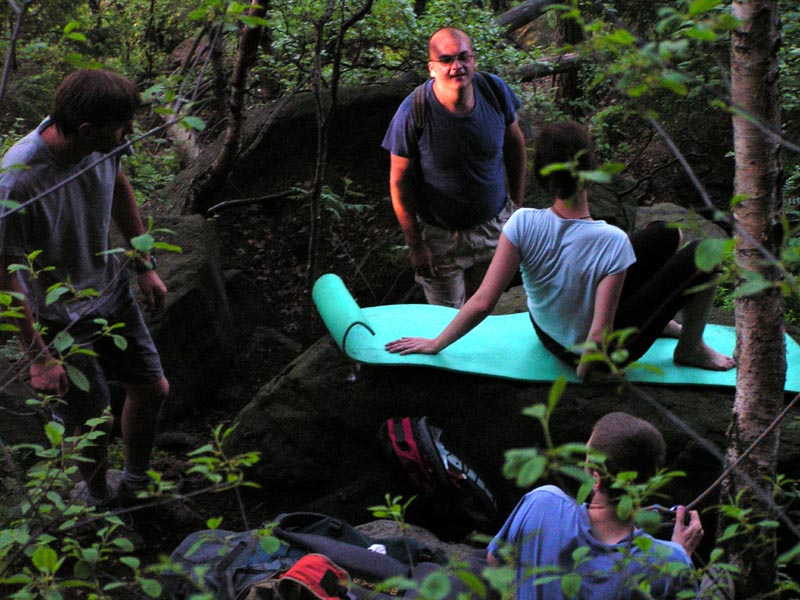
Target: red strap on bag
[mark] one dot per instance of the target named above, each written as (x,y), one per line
(316,574)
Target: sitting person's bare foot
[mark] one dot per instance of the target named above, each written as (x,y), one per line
(703,357)
(672,330)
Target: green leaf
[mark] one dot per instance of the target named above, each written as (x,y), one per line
(131,562)
(702,33)
(625,508)
(790,555)
(254,21)
(571,585)
(151,587)
(674,82)
(10,204)
(63,341)
(711,252)
(699,7)
(54,294)
(120,342)
(143,243)
(168,247)
(90,555)
(537,411)
(269,544)
(45,559)
(649,520)
(123,544)
(597,176)
(473,582)
(435,586)
(623,37)
(553,167)
(54,432)
(531,471)
(754,283)
(195,123)
(77,378)
(556,390)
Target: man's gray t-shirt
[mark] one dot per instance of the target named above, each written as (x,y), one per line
(70,225)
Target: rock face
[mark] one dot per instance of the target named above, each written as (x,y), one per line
(195,335)
(315,426)
(315,423)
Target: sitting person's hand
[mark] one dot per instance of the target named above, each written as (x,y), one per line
(417,345)
(687,535)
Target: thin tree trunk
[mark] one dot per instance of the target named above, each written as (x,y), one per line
(324,115)
(220,168)
(761,354)
(569,34)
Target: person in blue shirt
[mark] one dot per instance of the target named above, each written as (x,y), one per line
(456,177)
(549,535)
(585,278)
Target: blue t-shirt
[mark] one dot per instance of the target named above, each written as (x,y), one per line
(460,158)
(547,527)
(562,262)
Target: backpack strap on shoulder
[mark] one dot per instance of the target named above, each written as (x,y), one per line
(490,88)
(418,108)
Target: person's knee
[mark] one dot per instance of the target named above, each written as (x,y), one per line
(151,394)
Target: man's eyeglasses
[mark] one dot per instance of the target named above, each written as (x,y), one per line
(462,57)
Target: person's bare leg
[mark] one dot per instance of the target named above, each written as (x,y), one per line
(691,350)
(672,330)
(140,422)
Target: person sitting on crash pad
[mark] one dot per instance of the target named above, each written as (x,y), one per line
(584,277)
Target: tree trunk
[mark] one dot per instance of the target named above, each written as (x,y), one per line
(204,189)
(523,14)
(761,353)
(569,34)
(324,116)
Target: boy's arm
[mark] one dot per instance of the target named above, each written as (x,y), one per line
(125,213)
(47,375)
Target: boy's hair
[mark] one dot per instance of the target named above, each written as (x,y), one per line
(93,96)
(629,444)
(562,142)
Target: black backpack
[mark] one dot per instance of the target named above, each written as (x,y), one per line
(235,566)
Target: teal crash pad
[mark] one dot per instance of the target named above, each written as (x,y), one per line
(504,346)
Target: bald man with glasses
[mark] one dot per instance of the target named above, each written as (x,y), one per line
(457,177)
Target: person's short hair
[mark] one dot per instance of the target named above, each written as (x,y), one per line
(557,143)
(453,31)
(629,444)
(93,96)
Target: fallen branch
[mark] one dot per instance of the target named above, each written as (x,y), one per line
(536,70)
(246,201)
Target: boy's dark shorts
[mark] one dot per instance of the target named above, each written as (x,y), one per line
(138,364)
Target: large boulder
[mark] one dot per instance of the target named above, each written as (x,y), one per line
(195,335)
(315,424)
